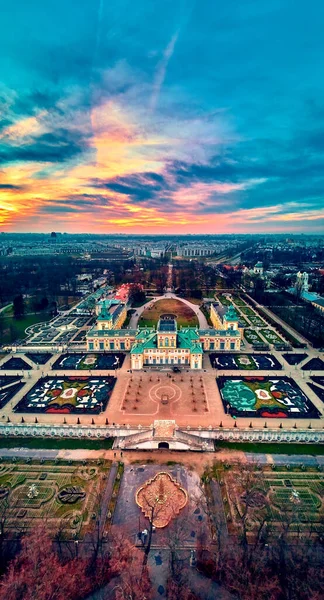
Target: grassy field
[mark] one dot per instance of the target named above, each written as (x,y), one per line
(14,329)
(55,444)
(185,316)
(274,448)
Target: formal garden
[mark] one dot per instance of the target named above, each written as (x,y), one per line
(265,397)
(82,361)
(295,359)
(252,337)
(271,336)
(39,358)
(16,363)
(256,321)
(278,497)
(246,310)
(251,362)
(68,395)
(64,495)
(9,386)
(319,391)
(314,364)
(224,300)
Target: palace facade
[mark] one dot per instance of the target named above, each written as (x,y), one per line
(166,344)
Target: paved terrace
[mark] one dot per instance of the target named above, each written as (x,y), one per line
(178,393)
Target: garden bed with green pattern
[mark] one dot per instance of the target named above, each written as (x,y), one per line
(256,321)
(246,310)
(271,336)
(280,496)
(252,337)
(64,495)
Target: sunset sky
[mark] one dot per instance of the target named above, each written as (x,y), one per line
(147,116)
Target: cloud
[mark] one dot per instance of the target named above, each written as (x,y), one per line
(141,117)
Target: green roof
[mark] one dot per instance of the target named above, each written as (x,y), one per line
(111,333)
(231,314)
(104,316)
(137,349)
(218,332)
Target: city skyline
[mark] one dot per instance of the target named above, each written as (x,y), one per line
(167,118)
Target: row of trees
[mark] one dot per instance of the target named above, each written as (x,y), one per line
(267,560)
(284,562)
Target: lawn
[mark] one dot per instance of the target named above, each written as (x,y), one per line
(224,300)
(273,448)
(238,301)
(56,444)
(246,310)
(185,315)
(14,329)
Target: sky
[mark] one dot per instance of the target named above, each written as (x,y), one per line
(162,116)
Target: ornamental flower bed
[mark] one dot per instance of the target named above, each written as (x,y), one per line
(250,362)
(92,361)
(265,397)
(68,395)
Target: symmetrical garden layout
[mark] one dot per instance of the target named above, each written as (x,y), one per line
(266,397)
(81,361)
(64,395)
(65,496)
(250,362)
(279,498)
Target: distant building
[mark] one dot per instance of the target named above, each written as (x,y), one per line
(302,281)
(258,268)
(194,251)
(111,314)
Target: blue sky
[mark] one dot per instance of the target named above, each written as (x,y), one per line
(162,116)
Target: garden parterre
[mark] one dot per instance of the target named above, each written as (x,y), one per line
(82,361)
(66,395)
(278,496)
(64,495)
(266,397)
(231,361)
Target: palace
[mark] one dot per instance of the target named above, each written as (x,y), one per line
(166,344)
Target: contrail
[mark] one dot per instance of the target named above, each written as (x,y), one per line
(162,69)
(187,8)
